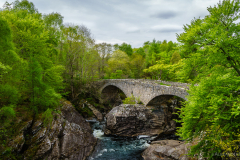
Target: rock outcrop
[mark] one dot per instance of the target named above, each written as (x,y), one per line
(166,150)
(134,120)
(68,137)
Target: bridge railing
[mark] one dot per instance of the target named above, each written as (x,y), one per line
(156,82)
(174,84)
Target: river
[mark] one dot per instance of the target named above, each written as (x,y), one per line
(115,147)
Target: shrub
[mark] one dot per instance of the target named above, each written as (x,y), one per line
(8,95)
(7,113)
(132,100)
(47,117)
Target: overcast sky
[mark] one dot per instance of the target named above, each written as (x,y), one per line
(130,21)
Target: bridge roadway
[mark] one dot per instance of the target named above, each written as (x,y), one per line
(146,90)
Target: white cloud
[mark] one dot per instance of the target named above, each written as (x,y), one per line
(134,22)
(166,28)
(111,41)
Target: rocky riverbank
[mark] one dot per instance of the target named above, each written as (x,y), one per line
(135,120)
(69,136)
(166,150)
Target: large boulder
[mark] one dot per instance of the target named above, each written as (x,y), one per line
(134,120)
(167,150)
(68,137)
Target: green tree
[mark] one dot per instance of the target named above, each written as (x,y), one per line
(119,61)
(155,46)
(137,65)
(116,47)
(79,58)
(24,5)
(54,23)
(104,51)
(211,114)
(170,46)
(141,52)
(9,76)
(126,48)
(164,46)
(175,58)
(31,44)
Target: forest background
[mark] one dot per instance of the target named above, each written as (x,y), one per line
(43,60)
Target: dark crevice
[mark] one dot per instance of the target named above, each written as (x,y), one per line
(27,133)
(60,138)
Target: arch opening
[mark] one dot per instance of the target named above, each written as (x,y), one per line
(167,106)
(112,96)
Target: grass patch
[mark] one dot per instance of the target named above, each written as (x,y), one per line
(165,84)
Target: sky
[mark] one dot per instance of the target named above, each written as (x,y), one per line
(130,21)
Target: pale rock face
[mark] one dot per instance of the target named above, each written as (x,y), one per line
(167,150)
(69,137)
(134,120)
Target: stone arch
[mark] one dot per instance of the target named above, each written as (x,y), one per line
(112,94)
(159,95)
(115,85)
(166,105)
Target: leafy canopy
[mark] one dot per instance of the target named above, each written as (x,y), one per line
(211,117)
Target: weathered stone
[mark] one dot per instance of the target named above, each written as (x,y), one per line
(36,127)
(44,148)
(166,149)
(143,89)
(134,120)
(18,143)
(69,137)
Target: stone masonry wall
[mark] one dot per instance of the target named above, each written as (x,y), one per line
(146,90)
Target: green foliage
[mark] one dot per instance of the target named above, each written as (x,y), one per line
(132,100)
(117,75)
(4,69)
(127,48)
(5,36)
(37,77)
(47,117)
(7,112)
(136,65)
(104,50)
(212,104)
(141,52)
(24,5)
(164,84)
(79,58)
(118,61)
(129,100)
(210,118)
(175,58)
(164,46)
(8,95)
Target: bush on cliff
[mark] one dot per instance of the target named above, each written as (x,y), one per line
(132,100)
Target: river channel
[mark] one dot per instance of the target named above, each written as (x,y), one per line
(115,147)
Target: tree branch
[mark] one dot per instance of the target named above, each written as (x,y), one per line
(231,63)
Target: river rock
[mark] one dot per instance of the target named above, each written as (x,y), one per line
(167,150)
(134,120)
(68,137)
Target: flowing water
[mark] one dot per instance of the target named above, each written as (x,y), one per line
(115,147)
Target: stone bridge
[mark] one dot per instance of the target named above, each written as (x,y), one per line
(146,90)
